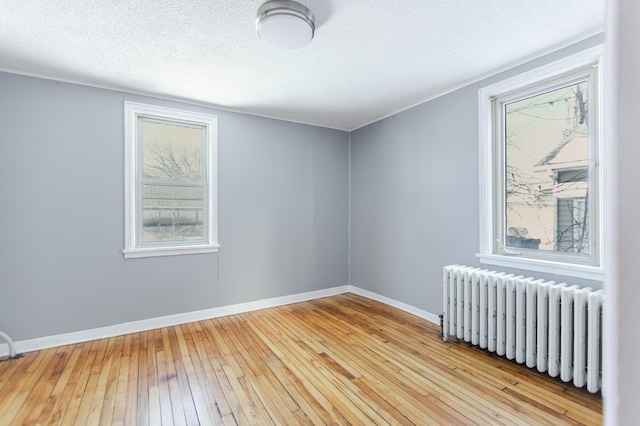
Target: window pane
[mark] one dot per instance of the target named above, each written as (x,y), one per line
(172,213)
(171,152)
(546,159)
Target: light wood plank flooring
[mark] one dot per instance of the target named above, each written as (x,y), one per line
(338,360)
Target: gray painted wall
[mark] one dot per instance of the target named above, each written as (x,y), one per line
(414,195)
(283,208)
(283,220)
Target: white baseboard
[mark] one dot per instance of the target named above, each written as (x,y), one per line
(38,343)
(396,304)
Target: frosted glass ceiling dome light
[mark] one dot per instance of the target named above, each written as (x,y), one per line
(285,23)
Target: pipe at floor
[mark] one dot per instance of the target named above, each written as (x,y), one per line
(12,348)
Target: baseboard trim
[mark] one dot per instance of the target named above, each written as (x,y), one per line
(396,304)
(38,343)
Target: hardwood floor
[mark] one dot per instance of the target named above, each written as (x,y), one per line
(338,360)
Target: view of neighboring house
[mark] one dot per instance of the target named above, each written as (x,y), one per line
(547,158)
(567,171)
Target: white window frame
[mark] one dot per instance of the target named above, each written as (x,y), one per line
(133,204)
(492,186)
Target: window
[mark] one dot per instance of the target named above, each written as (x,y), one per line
(540,169)
(170,181)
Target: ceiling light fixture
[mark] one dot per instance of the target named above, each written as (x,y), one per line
(285,23)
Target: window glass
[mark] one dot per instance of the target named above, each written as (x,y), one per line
(546,138)
(172,213)
(171,151)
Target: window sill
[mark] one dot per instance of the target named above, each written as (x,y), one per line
(168,251)
(565,269)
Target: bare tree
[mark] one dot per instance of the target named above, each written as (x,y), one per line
(164,163)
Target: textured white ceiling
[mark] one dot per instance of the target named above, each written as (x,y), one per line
(369,58)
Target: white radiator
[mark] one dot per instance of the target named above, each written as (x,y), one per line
(556,328)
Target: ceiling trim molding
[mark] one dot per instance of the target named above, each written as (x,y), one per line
(114,87)
(539,54)
(186,101)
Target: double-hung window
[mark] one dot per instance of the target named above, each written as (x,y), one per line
(170,181)
(540,176)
